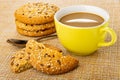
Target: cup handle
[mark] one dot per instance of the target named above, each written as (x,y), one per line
(113,37)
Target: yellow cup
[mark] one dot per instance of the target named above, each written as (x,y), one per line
(83,40)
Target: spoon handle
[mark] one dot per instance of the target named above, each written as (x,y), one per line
(47,37)
(22,43)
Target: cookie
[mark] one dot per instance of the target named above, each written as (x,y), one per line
(52,62)
(36,33)
(34,27)
(36,13)
(20,61)
(48,60)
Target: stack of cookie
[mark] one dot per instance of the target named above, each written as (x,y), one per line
(36,19)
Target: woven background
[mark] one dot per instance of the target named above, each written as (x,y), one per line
(102,65)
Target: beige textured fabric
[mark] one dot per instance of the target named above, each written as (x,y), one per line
(102,65)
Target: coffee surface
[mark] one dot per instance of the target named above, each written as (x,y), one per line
(82,19)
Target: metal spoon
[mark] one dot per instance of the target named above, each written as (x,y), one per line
(22,43)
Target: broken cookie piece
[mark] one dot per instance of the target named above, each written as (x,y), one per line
(20,61)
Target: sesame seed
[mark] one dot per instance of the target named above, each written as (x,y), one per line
(39,12)
(47,69)
(13,57)
(53,70)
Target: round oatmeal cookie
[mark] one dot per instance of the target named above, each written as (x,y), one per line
(36,13)
(36,33)
(50,61)
(34,27)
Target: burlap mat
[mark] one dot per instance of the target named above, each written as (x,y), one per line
(102,65)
